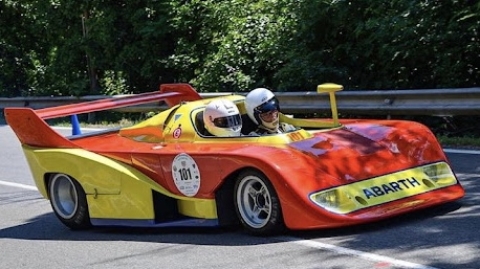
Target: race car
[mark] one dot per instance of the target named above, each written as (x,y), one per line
(167,171)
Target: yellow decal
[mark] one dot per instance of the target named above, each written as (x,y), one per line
(375,191)
(295,136)
(411,184)
(406,183)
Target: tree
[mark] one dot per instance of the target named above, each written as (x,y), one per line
(231,45)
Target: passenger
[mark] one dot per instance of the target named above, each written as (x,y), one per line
(222,118)
(262,108)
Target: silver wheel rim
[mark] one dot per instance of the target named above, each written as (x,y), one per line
(64,196)
(254,202)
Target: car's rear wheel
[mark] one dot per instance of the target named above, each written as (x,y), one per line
(257,204)
(69,201)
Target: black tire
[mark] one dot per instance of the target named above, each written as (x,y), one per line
(257,204)
(69,202)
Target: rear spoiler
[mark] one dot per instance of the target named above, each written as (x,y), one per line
(31,129)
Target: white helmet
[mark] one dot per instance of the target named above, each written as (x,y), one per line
(222,118)
(260,101)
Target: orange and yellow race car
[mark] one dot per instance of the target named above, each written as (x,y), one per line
(165,171)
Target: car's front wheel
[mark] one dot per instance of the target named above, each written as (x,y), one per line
(257,204)
(69,201)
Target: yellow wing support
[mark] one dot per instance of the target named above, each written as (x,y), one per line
(331,88)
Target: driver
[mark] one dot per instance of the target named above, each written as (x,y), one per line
(262,108)
(222,118)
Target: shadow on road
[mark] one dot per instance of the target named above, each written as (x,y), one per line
(408,232)
(48,227)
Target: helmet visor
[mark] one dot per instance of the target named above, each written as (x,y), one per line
(271,105)
(229,121)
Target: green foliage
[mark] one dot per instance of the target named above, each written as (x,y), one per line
(231,45)
(386,44)
(66,47)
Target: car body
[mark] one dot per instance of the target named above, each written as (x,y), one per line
(165,172)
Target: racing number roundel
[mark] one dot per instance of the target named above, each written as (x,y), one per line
(186,175)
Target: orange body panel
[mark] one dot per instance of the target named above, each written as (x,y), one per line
(350,154)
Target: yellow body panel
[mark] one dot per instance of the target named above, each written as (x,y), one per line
(114,189)
(205,209)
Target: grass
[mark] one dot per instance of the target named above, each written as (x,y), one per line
(100,124)
(459,142)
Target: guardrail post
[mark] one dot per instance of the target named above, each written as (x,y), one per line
(91,117)
(2,117)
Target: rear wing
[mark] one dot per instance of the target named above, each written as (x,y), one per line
(31,129)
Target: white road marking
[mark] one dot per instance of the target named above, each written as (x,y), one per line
(462,151)
(18,185)
(357,253)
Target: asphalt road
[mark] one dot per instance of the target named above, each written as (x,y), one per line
(444,237)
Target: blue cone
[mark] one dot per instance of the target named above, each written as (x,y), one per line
(75,125)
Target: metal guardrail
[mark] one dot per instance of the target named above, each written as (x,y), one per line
(464,101)
(392,102)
